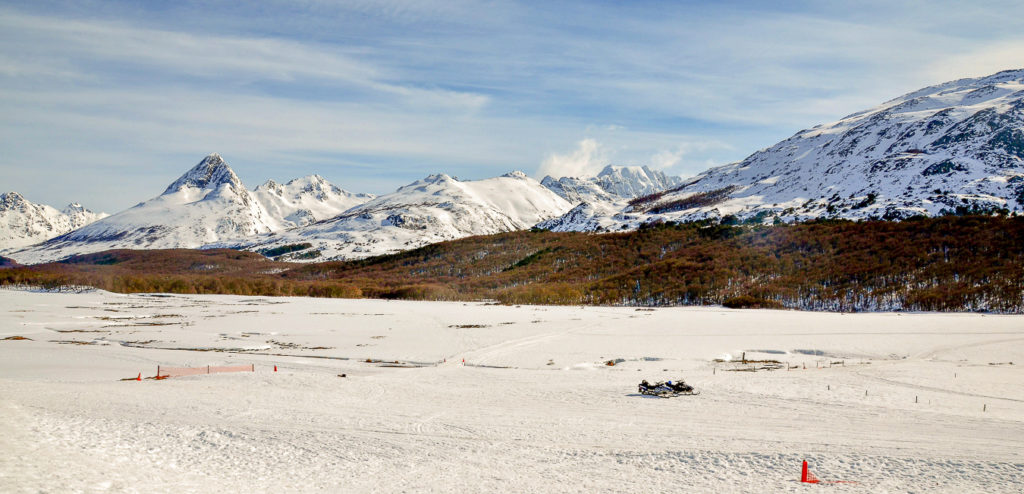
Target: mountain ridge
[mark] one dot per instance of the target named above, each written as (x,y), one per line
(24,223)
(435,208)
(952,147)
(206,204)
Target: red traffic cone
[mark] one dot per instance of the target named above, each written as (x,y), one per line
(139,378)
(807,476)
(275,368)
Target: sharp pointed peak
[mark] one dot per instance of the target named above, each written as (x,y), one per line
(11,199)
(12,195)
(74,208)
(208,174)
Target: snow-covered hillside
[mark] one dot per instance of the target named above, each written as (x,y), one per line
(954,145)
(25,223)
(434,209)
(306,200)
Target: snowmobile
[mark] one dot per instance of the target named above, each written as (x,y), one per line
(666,389)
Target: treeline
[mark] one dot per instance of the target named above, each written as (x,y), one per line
(971,263)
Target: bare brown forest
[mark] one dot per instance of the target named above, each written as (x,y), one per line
(953,263)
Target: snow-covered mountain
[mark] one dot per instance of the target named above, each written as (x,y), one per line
(207,204)
(306,200)
(614,183)
(957,145)
(434,209)
(25,223)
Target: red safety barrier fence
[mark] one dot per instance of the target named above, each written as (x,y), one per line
(164,372)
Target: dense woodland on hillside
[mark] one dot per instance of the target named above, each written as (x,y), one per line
(951,263)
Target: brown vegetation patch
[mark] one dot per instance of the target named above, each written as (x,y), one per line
(750,302)
(698,200)
(17,338)
(968,263)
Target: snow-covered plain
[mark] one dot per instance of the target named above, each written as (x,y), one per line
(920,403)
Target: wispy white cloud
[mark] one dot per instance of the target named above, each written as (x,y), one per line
(586,160)
(396,89)
(75,47)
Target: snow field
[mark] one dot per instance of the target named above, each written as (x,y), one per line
(506,421)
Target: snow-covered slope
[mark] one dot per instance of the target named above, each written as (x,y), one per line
(954,145)
(614,183)
(208,203)
(24,223)
(306,200)
(434,209)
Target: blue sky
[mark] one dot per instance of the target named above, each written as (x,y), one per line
(106,102)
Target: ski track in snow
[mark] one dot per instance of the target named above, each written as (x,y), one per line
(506,421)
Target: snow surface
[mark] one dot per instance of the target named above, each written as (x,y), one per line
(534,409)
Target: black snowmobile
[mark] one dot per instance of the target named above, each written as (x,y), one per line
(666,389)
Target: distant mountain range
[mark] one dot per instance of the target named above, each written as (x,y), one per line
(434,209)
(24,223)
(309,219)
(952,148)
(207,204)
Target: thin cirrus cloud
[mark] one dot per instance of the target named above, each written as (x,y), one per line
(170,55)
(373,95)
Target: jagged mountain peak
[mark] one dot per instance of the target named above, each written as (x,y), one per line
(312,179)
(621,169)
(75,208)
(23,222)
(613,183)
(434,179)
(438,178)
(314,185)
(210,173)
(10,200)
